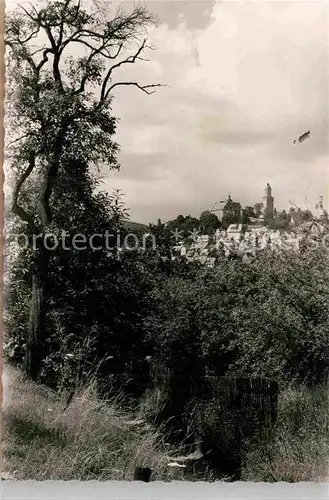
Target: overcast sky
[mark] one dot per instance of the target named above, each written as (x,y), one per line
(244,80)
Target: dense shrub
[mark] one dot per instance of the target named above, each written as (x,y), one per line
(95,301)
(264,318)
(297,448)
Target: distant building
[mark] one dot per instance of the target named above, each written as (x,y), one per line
(227,208)
(268,205)
(230,208)
(269,229)
(234,228)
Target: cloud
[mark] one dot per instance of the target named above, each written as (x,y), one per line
(244,79)
(142,167)
(241,88)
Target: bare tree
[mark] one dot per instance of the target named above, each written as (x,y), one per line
(62,58)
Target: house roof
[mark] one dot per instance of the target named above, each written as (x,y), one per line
(228,204)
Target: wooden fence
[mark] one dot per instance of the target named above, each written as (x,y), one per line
(242,394)
(221,413)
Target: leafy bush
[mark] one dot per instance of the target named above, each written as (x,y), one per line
(95,301)
(297,448)
(266,318)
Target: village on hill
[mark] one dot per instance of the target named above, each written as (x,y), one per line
(252,229)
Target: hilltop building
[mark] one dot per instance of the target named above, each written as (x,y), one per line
(227,208)
(268,229)
(230,208)
(268,205)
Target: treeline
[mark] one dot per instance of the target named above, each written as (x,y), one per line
(106,313)
(208,222)
(74,312)
(264,318)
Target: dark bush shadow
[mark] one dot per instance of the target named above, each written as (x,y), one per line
(29,430)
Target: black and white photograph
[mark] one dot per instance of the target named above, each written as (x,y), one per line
(166,241)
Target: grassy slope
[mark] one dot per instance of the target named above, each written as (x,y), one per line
(90,440)
(297,449)
(95,439)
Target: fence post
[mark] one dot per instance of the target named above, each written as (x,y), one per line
(274,401)
(142,474)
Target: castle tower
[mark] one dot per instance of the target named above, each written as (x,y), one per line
(268,204)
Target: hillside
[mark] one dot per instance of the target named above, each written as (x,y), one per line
(135,226)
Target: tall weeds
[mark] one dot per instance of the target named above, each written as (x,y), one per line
(297,448)
(90,439)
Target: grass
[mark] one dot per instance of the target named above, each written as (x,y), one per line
(297,448)
(91,439)
(98,439)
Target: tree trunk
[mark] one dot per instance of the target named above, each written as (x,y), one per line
(36,328)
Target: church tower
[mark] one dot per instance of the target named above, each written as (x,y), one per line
(268,205)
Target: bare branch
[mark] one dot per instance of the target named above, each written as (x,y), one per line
(34,9)
(16,208)
(29,13)
(129,60)
(50,177)
(77,38)
(49,181)
(37,51)
(45,58)
(144,88)
(117,53)
(32,35)
(56,52)
(28,134)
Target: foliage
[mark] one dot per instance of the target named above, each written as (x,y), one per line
(258,207)
(171,327)
(60,113)
(249,212)
(184,225)
(91,439)
(296,449)
(229,219)
(284,322)
(209,222)
(95,299)
(163,238)
(264,318)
